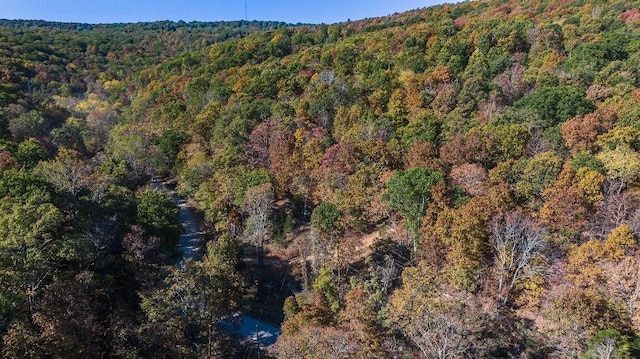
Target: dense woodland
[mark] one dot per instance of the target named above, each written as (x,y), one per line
(459,181)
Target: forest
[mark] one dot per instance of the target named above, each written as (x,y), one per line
(457,181)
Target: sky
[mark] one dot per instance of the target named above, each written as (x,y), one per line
(123,11)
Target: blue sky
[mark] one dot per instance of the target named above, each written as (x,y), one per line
(292,11)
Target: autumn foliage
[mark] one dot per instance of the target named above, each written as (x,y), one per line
(456,181)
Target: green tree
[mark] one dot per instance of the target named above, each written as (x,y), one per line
(25,126)
(325,283)
(609,344)
(556,104)
(29,153)
(170,144)
(325,217)
(409,193)
(32,246)
(159,217)
(70,134)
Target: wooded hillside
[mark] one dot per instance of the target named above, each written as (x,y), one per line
(460,181)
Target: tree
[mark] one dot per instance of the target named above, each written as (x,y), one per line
(518,244)
(28,125)
(512,81)
(360,204)
(258,205)
(280,149)
(537,173)
(591,262)
(487,145)
(67,319)
(316,342)
(337,163)
(29,153)
(574,315)
(442,324)
(325,217)
(260,142)
(69,135)
(68,173)
(620,136)
(325,282)
(445,100)
(422,154)
(6,160)
(135,147)
(159,217)
(471,177)
(556,104)
(464,234)
(141,250)
(359,317)
(622,284)
(580,132)
(183,314)
(216,194)
(615,210)
(608,344)
(409,193)
(170,143)
(565,210)
(421,126)
(621,164)
(32,246)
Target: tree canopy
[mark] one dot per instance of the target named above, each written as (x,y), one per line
(461,180)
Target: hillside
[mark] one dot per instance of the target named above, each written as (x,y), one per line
(455,181)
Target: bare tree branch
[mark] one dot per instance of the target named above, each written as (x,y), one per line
(518,243)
